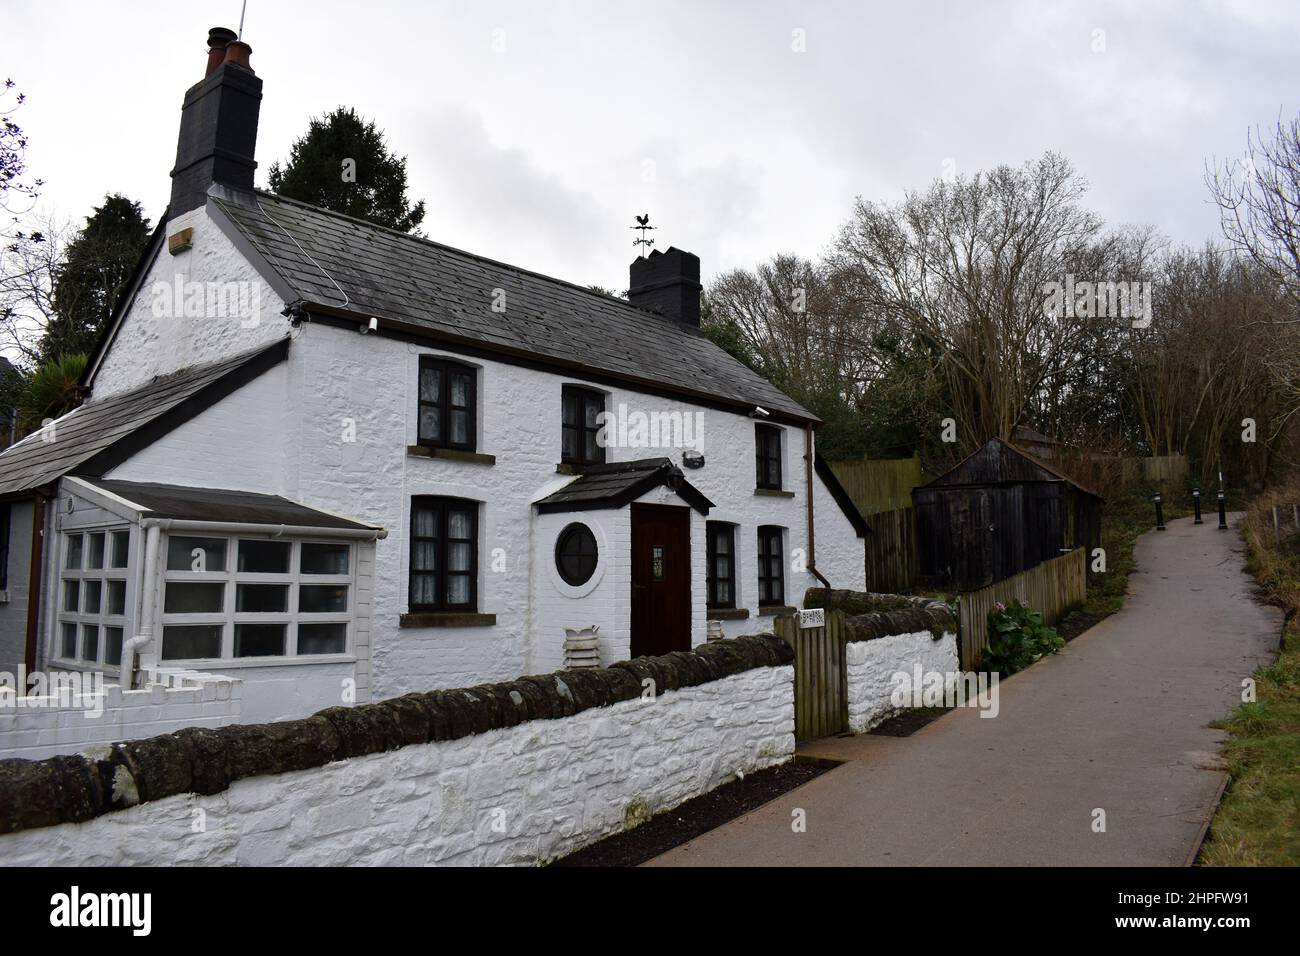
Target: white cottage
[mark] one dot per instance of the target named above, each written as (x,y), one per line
(343,463)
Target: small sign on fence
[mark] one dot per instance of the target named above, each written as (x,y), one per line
(813,617)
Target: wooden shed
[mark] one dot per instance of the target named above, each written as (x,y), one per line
(999,512)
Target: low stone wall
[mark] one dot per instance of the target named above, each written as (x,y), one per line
(64,723)
(888,633)
(520,772)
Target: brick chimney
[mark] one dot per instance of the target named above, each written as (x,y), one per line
(668,283)
(218,125)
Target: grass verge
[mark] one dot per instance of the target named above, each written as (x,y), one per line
(1258,822)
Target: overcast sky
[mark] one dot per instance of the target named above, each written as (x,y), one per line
(535,131)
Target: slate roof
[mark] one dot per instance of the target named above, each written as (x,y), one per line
(215,504)
(616,484)
(100,434)
(447,292)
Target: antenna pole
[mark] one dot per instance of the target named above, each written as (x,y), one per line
(242,10)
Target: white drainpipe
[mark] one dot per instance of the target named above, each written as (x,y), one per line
(148,606)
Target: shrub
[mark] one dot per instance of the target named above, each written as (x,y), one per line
(1017,638)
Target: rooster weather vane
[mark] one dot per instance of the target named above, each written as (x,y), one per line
(643,224)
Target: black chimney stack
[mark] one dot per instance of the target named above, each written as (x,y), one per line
(218,125)
(669,283)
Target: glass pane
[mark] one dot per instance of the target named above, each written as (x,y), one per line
(95,550)
(121,544)
(264,557)
(69,647)
(262,598)
(457,589)
(424,589)
(569,409)
(196,554)
(426,523)
(431,385)
(73,558)
(322,638)
(459,427)
(187,641)
(458,557)
(93,592)
(459,523)
(116,597)
(723,567)
(324,558)
(184,597)
(322,599)
(568,442)
(71,595)
(430,425)
(259,640)
(425,556)
(589,449)
(112,645)
(90,642)
(724,593)
(592,407)
(459,389)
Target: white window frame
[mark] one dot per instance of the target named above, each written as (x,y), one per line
(228,617)
(81,574)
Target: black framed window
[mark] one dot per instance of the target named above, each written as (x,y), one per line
(448,404)
(5,511)
(444,554)
(720,549)
(771,566)
(580,424)
(767,452)
(576,554)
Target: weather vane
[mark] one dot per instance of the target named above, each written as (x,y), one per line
(643,224)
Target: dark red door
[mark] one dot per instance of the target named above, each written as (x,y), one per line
(661,579)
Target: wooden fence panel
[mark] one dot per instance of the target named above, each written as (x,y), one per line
(1051,588)
(891,558)
(821,680)
(877,485)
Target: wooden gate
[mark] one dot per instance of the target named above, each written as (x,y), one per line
(821,686)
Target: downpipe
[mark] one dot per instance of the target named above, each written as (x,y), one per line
(812,535)
(148,608)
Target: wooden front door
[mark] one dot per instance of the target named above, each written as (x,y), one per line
(661,579)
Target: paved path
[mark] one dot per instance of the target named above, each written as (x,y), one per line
(1117,720)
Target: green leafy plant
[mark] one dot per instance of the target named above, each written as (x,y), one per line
(1017,638)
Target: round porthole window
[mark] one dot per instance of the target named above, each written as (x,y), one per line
(576,554)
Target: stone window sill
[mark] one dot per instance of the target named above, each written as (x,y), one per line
(773,493)
(450,454)
(446,619)
(776,610)
(726,613)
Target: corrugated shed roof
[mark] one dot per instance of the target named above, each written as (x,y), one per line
(221,505)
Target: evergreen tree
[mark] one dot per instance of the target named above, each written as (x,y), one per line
(343,164)
(96,267)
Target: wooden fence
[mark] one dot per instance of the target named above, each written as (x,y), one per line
(877,485)
(821,676)
(1051,588)
(891,555)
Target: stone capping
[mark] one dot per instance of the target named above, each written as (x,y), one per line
(79,787)
(869,615)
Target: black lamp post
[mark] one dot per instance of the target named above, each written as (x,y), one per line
(1160,514)
(1196,504)
(1223,515)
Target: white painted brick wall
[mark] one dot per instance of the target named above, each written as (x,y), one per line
(45,726)
(872,664)
(551,785)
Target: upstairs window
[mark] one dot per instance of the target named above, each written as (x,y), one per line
(448,404)
(771,567)
(580,425)
(444,555)
(767,449)
(720,549)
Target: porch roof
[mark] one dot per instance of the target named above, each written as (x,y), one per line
(619,483)
(221,506)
